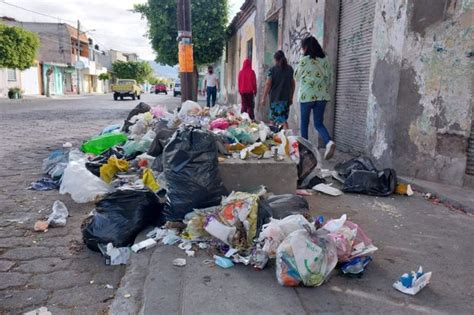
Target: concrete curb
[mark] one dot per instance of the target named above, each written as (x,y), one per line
(444,193)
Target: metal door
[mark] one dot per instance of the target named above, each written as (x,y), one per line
(356,23)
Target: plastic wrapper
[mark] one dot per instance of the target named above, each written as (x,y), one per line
(305,257)
(149,180)
(112,167)
(59,215)
(282,206)
(55,164)
(192,173)
(95,164)
(189,108)
(220,123)
(120,216)
(102,143)
(140,145)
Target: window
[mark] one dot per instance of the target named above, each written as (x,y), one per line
(11,74)
(250,48)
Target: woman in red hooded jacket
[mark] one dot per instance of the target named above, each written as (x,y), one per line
(247,88)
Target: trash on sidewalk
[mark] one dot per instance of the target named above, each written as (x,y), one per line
(109,169)
(143,245)
(179,262)
(356,265)
(40,311)
(99,144)
(114,255)
(223,262)
(411,283)
(361,176)
(404,189)
(59,215)
(328,190)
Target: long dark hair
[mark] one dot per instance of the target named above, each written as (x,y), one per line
(281,59)
(313,48)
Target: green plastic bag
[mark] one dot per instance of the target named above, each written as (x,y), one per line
(99,144)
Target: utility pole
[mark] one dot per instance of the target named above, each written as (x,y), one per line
(78,53)
(185,46)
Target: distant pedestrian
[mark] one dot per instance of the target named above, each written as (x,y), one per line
(314,76)
(211,85)
(247,88)
(281,87)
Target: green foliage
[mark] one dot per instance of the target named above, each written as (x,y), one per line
(18,47)
(155,80)
(135,70)
(105,76)
(209,20)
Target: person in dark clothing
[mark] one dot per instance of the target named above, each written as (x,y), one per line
(280,85)
(247,88)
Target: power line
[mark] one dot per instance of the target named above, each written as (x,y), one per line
(36,12)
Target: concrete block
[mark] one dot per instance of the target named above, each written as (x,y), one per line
(279,177)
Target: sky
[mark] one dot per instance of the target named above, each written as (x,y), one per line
(114,25)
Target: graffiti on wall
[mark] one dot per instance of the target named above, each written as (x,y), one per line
(297,32)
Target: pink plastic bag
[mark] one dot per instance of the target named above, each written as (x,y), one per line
(220,123)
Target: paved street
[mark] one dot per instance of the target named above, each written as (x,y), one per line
(54,269)
(51,268)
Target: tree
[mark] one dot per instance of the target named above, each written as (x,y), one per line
(136,70)
(104,77)
(209,21)
(18,47)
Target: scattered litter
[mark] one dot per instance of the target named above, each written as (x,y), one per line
(91,282)
(67,145)
(413,282)
(328,189)
(190,253)
(127,295)
(179,262)
(59,215)
(40,311)
(108,286)
(356,265)
(143,245)
(45,184)
(404,189)
(223,262)
(114,256)
(41,226)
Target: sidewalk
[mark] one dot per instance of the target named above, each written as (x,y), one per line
(409,231)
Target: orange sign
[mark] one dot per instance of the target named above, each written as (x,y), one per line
(186,61)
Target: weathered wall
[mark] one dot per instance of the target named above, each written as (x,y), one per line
(420,108)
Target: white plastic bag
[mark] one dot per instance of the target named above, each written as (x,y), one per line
(305,257)
(189,108)
(59,215)
(274,232)
(82,184)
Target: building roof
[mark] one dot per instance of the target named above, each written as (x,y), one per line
(239,19)
(73,32)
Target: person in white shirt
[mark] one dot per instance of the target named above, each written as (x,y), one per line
(211,86)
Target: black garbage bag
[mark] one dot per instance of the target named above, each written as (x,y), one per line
(308,158)
(163,135)
(362,163)
(372,183)
(139,109)
(120,216)
(191,170)
(94,165)
(282,206)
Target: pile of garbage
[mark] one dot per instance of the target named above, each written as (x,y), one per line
(160,169)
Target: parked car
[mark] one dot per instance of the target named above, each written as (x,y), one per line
(161,88)
(126,88)
(177,88)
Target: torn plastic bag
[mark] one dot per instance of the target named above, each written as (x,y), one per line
(372,183)
(362,163)
(139,109)
(284,205)
(192,173)
(120,216)
(309,159)
(82,184)
(163,135)
(305,257)
(140,144)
